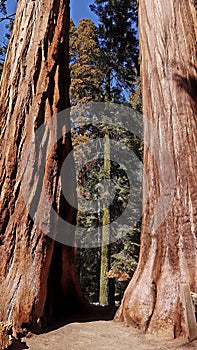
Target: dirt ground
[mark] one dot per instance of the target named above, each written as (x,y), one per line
(96,330)
(99,335)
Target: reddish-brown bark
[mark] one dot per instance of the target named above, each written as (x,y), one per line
(168,36)
(37,279)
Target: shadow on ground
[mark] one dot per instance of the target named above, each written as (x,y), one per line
(91,314)
(18,345)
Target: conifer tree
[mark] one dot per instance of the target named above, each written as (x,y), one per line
(119,61)
(98,57)
(86,81)
(86,76)
(118,44)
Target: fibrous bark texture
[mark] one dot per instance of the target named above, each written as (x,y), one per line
(168,36)
(37,280)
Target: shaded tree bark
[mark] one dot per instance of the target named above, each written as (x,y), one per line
(168,36)
(37,279)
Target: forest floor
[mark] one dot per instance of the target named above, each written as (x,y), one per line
(104,334)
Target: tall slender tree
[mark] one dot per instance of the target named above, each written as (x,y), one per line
(119,61)
(88,59)
(103,293)
(168,257)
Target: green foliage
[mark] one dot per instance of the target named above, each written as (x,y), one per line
(136,98)
(104,66)
(88,271)
(123,253)
(125,261)
(118,45)
(86,76)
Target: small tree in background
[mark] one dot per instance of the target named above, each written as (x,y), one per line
(88,83)
(85,72)
(118,45)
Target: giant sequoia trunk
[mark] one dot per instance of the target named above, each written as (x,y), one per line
(168,36)
(37,279)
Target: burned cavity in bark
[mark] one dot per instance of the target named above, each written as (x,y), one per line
(58,306)
(37,277)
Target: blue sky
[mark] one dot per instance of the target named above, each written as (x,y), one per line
(79,9)
(11,6)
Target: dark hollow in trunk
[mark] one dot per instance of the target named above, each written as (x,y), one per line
(37,274)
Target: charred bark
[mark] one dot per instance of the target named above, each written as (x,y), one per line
(37,278)
(168,36)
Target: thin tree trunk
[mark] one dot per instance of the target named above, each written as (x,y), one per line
(103,292)
(108,84)
(36,273)
(168,36)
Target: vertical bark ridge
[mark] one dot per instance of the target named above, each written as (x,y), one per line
(168,256)
(34,86)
